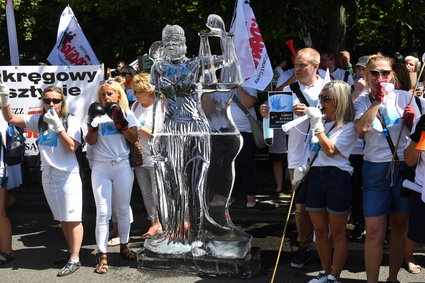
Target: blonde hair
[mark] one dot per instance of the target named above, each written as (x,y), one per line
(374,58)
(314,55)
(64,108)
(340,91)
(116,86)
(141,81)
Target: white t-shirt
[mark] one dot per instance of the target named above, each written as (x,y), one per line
(239,117)
(392,108)
(297,136)
(339,74)
(344,139)
(3,128)
(420,169)
(52,152)
(111,144)
(145,117)
(420,165)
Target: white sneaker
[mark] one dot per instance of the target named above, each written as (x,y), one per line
(322,277)
(332,279)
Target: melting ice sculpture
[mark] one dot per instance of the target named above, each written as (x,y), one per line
(193,156)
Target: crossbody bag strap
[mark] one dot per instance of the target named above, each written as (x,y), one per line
(317,152)
(295,87)
(387,136)
(242,107)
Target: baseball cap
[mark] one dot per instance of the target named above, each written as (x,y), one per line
(362,61)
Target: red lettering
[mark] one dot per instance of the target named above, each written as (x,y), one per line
(72,55)
(256,42)
(31,134)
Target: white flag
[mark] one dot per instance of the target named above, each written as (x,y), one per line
(11,32)
(72,47)
(250,48)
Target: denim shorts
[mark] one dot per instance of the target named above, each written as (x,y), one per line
(381,195)
(3,182)
(329,189)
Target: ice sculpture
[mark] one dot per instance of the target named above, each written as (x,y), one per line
(193,157)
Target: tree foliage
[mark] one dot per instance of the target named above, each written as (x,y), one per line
(124,29)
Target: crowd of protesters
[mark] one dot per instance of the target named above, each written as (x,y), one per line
(346,163)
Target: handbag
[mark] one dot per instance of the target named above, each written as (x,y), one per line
(256,126)
(136,154)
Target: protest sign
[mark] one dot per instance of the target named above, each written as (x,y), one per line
(72,46)
(79,85)
(251,50)
(280,103)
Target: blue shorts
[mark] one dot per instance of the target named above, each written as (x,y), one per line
(329,189)
(3,182)
(381,196)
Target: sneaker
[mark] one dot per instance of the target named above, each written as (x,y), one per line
(302,256)
(332,279)
(69,268)
(322,277)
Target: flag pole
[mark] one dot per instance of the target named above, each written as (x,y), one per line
(11,32)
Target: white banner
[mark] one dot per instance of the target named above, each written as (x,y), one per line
(250,48)
(72,46)
(79,85)
(11,32)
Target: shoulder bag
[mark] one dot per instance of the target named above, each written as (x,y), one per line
(256,126)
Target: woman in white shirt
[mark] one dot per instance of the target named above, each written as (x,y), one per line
(111,125)
(383,115)
(59,136)
(328,186)
(143,110)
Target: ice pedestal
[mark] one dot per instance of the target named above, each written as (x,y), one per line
(204,266)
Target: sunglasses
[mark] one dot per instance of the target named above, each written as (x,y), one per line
(107,82)
(384,73)
(54,100)
(325,98)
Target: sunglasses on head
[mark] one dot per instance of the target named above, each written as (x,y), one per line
(107,82)
(375,73)
(54,100)
(325,98)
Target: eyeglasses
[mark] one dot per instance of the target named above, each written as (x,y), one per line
(54,100)
(325,98)
(376,73)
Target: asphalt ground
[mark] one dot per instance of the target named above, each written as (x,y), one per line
(38,241)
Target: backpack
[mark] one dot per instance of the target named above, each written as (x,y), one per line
(14,150)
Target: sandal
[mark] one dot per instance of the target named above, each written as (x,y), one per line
(125,252)
(5,258)
(102,266)
(151,232)
(115,241)
(413,268)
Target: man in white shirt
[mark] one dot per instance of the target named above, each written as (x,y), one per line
(327,61)
(308,85)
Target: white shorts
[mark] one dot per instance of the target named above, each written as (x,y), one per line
(64,194)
